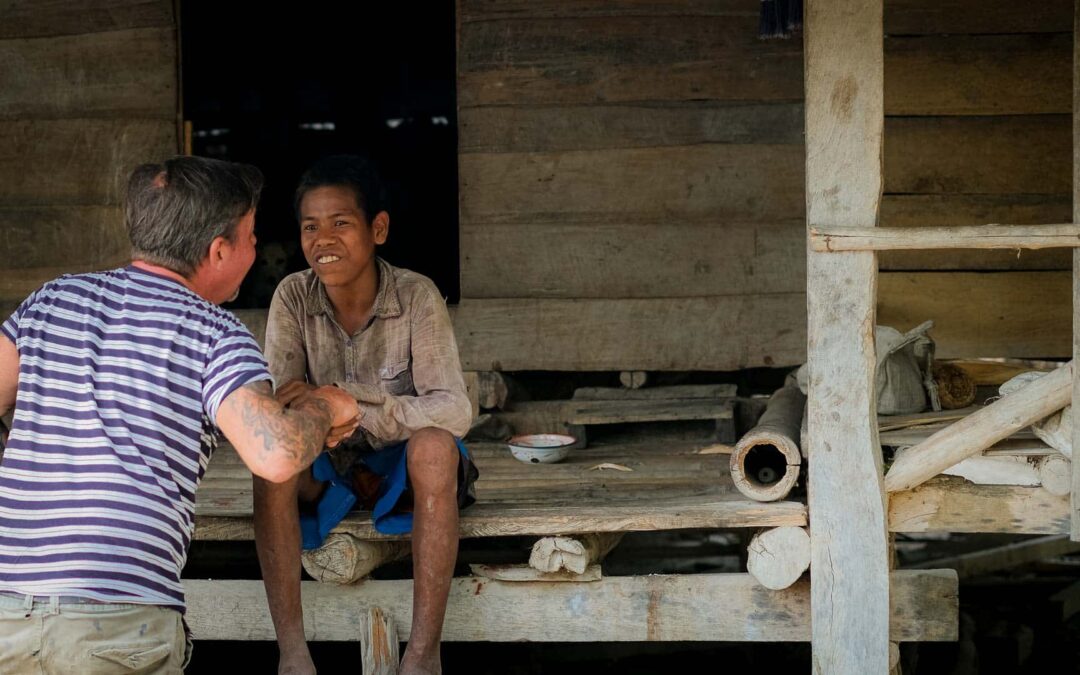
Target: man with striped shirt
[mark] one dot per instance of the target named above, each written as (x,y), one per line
(119,381)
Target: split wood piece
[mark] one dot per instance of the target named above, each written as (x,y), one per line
(651,608)
(926,238)
(894,658)
(778,557)
(894,422)
(678,391)
(552,554)
(525,573)
(379,644)
(345,559)
(1055,475)
(634,379)
(995,470)
(767,460)
(981,429)
(1009,556)
(492,390)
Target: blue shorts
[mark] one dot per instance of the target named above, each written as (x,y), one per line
(380,480)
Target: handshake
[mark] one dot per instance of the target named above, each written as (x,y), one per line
(345,412)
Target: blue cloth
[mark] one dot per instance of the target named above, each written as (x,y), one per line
(391,463)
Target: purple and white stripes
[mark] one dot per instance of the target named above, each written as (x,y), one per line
(120,374)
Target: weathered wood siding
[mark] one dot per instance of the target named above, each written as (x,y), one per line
(632,181)
(90,89)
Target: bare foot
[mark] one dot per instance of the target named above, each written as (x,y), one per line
(414,666)
(296,664)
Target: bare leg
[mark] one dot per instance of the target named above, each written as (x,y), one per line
(433,469)
(277,539)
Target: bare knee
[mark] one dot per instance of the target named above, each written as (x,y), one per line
(433,461)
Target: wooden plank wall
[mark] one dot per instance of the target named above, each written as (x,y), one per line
(90,89)
(632,181)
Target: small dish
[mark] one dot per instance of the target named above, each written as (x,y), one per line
(541,448)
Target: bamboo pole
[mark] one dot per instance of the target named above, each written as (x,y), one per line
(767,460)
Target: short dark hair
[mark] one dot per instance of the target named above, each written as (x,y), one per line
(175,210)
(356,173)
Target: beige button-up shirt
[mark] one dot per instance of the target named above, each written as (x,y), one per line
(402,367)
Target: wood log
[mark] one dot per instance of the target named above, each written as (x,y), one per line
(955,388)
(778,557)
(379,644)
(472,388)
(493,390)
(650,608)
(345,559)
(1055,475)
(767,460)
(981,429)
(576,554)
(634,379)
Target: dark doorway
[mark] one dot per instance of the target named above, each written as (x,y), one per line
(279,89)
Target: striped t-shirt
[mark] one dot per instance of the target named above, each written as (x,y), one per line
(120,374)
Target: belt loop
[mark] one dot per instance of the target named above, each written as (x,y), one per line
(28,605)
(54,604)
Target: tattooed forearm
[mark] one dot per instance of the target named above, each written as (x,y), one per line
(298,432)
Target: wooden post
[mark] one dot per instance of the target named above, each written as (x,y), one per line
(1074,504)
(771,447)
(778,557)
(379,644)
(849,589)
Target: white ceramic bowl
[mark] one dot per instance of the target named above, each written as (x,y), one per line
(541,448)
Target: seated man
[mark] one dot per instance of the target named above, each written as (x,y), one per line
(382,334)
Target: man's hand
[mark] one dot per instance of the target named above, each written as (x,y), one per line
(290,391)
(346,412)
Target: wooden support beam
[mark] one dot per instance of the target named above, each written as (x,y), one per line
(849,548)
(767,461)
(573,554)
(998,558)
(778,557)
(947,504)
(981,429)
(1066,235)
(1074,506)
(345,559)
(506,520)
(693,607)
(525,573)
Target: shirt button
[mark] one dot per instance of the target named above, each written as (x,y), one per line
(348,378)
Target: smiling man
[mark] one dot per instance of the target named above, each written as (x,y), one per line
(382,334)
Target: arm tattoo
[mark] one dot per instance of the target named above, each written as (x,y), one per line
(298,432)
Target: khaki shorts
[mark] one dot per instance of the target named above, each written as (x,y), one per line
(58,634)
